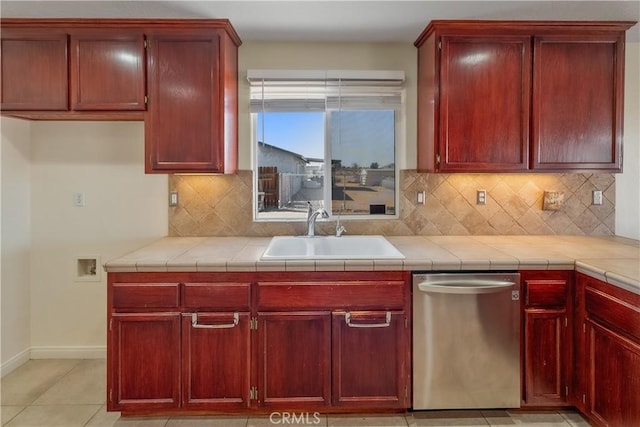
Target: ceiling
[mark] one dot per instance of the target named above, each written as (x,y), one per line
(335,20)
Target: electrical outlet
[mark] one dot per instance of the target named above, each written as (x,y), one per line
(173,198)
(481,197)
(420,198)
(597,197)
(78,200)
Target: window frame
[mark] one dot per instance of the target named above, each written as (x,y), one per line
(399,142)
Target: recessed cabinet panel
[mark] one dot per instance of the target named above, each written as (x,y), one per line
(215,360)
(183,130)
(107,71)
(484,106)
(577,95)
(34,70)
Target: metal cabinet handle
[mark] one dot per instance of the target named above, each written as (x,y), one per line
(347,320)
(195,324)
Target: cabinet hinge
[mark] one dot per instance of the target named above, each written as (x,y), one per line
(110,395)
(406,322)
(110,324)
(566,391)
(566,321)
(437,159)
(253,324)
(253,393)
(584,328)
(146,43)
(146,99)
(584,398)
(440,45)
(406,393)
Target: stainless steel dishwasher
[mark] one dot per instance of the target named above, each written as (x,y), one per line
(466,340)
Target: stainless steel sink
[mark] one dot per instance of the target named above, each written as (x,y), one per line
(330,247)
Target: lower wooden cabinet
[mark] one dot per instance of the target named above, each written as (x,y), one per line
(547,337)
(215,360)
(295,364)
(607,340)
(226,342)
(144,361)
(368,369)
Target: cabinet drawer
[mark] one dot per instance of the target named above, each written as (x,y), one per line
(331,295)
(620,315)
(546,293)
(146,295)
(220,296)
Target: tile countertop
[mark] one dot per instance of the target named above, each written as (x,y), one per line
(612,259)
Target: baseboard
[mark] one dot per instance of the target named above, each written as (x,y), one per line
(69,352)
(13,363)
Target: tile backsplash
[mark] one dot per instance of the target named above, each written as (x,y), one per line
(220,205)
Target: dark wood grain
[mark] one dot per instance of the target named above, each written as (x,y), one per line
(216,296)
(484,103)
(619,315)
(34,70)
(216,363)
(368,370)
(577,102)
(547,360)
(146,295)
(144,361)
(107,70)
(295,363)
(354,295)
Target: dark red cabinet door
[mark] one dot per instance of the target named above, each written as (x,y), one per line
(107,70)
(184,123)
(215,361)
(577,102)
(295,360)
(484,103)
(144,351)
(34,70)
(370,361)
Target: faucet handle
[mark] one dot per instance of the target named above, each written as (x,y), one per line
(340,229)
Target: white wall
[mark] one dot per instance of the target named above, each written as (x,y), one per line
(125,209)
(628,182)
(14,283)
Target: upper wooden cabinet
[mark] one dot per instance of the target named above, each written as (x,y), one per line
(107,70)
(191,124)
(53,69)
(515,96)
(34,69)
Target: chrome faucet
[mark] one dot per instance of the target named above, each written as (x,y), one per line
(311,219)
(339,228)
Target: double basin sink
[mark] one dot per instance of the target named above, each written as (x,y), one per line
(330,247)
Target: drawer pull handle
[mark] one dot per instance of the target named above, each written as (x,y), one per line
(387,323)
(195,324)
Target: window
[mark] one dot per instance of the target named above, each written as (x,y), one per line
(328,138)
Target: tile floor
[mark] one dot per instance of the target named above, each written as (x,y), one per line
(71,393)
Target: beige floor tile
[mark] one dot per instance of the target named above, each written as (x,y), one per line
(574,419)
(29,381)
(538,419)
(85,384)
(367,421)
(102,418)
(141,422)
(54,416)
(9,412)
(446,418)
(216,421)
(498,418)
(289,419)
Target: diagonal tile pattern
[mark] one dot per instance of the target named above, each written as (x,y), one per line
(220,205)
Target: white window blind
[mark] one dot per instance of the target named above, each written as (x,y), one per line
(309,90)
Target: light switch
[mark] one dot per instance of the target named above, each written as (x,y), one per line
(78,200)
(173,198)
(597,197)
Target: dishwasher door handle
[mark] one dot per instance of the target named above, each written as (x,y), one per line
(466,287)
